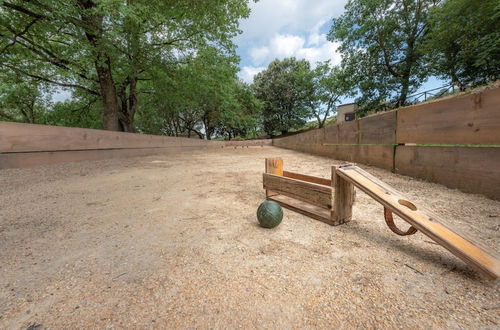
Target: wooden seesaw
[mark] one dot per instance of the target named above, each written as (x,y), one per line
(331,201)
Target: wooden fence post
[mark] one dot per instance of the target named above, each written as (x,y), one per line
(273,166)
(343,199)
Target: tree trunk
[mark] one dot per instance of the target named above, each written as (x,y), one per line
(128,104)
(102,64)
(133,102)
(110,119)
(403,95)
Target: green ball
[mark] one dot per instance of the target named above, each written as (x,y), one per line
(269,214)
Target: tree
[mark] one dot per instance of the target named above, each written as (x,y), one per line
(108,48)
(201,96)
(381,44)
(240,118)
(22,101)
(463,42)
(285,91)
(328,86)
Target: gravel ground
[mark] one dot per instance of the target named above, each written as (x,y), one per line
(171,241)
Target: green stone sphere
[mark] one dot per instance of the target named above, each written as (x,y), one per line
(269,214)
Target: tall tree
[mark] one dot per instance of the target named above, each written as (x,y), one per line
(381,44)
(240,116)
(107,48)
(285,91)
(201,96)
(463,42)
(328,86)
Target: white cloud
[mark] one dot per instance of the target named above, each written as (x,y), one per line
(286,45)
(282,46)
(248,72)
(271,17)
(259,54)
(285,28)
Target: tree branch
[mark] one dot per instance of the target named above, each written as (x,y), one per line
(47,55)
(6,116)
(37,77)
(386,58)
(16,35)
(23,10)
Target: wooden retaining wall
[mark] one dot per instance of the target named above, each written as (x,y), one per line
(453,141)
(28,145)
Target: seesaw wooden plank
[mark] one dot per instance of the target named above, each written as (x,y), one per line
(304,208)
(308,178)
(482,259)
(304,191)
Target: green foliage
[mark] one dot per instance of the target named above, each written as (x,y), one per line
(22,101)
(381,44)
(169,67)
(77,112)
(329,84)
(201,94)
(285,89)
(109,48)
(463,43)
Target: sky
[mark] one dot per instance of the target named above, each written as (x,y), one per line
(285,28)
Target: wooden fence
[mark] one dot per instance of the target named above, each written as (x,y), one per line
(453,141)
(27,145)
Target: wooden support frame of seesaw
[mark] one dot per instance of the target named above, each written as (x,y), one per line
(331,201)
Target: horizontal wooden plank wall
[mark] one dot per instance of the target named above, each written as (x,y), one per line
(20,137)
(466,119)
(472,121)
(473,170)
(28,145)
(454,141)
(369,140)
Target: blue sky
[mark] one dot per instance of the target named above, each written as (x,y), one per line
(285,28)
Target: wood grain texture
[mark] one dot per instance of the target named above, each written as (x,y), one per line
(467,119)
(20,137)
(308,178)
(331,134)
(273,166)
(482,259)
(312,193)
(343,198)
(475,170)
(348,132)
(376,155)
(304,208)
(378,129)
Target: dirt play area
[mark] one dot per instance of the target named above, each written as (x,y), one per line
(172,241)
